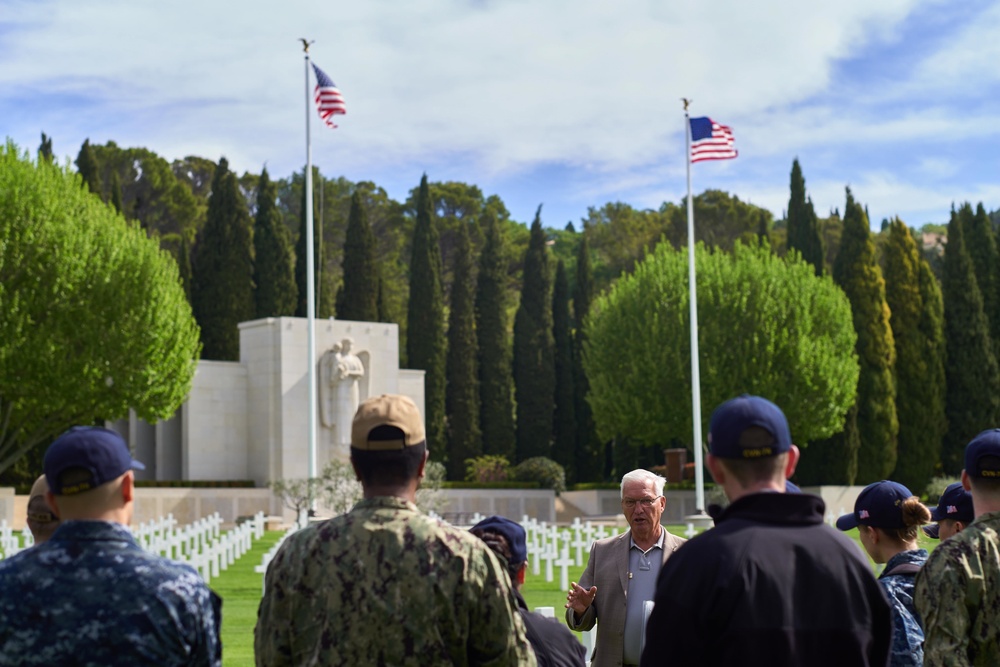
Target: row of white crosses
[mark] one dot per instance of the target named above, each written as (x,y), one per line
(201,544)
(10,543)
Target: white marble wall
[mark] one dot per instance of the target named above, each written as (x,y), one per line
(214,437)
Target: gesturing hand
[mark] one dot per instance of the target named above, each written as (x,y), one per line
(579,598)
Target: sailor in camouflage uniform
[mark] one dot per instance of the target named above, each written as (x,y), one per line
(888,518)
(90,595)
(958,589)
(385,584)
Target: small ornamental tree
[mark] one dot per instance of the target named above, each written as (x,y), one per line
(767,326)
(93,319)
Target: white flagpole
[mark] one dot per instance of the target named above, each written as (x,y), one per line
(699,473)
(310,288)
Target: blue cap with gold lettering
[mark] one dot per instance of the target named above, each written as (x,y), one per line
(99,453)
(748,427)
(982,455)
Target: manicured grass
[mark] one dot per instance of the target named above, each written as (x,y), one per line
(241,587)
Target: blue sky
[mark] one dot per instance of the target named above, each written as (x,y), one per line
(569,104)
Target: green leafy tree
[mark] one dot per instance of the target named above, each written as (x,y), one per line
(426,344)
(89,170)
(916,328)
(462,389)
(589,465)
(972,401)
(794,344)
(94,321)
(978,231)
(534,363)
(496,415)
(359,300)
(858,274)
(222,292)
(803,226)
(275,293)
(564,418)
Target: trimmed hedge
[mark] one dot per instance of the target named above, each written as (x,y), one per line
(490,485)
(196,484)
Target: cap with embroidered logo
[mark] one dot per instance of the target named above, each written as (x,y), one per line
(879,505)
(731,432)
(982,455)
(101,453)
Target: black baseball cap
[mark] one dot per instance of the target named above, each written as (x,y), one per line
(727,437)
(512,531)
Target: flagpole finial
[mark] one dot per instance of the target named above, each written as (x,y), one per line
(306,43)
(686,102)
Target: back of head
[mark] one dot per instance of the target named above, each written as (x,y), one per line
(890,507)
(83,469)
(41,520)
(750,436)
(982,462)
(387,441)
(506,538)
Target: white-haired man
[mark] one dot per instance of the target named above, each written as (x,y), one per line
(621,574)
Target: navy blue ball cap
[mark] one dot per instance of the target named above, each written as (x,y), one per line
(729,437)
(986,444)
(955,503)
(932,530)
(879,505)
(510,530)
(98,450)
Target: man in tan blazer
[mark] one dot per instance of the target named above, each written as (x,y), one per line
(621,574)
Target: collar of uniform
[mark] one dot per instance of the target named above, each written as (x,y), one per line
(793,509)
(389,502)
(990,518)
(915,556)
(659,542)
(92,530)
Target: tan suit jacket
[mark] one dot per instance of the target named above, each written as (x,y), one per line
(607,568)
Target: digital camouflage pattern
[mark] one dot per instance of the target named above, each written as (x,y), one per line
(92,596)
(385,584)
(907,633)
(958,597)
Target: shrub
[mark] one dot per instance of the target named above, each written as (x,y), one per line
(936,487)
(489,468)
(548,473)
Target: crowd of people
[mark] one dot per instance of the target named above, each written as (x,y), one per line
(385,584)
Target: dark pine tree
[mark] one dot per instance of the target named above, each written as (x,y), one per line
(223,291)
(857,272)
(274,266)
(45,149)
(919,364)
(564,418)
(462,390)
(425,341)
(359,300)
(496,416)
(534,363)
(116,191)
(383,304)
(981,244)
(90,171)
(184,266)
(803,226)
(972,399)
(589,449)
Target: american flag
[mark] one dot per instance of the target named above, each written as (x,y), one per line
(329,101)
(711,141)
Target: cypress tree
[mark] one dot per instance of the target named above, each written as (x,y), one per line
(972,399)
(803,226)
(919,364)
(564,418)
(496,416)
(45,149)
(425,341)
(184,266)
(589,450)
(116,191)
(534,363)
(359,300)
(90,171)
(223,290)
(858,274)
(462,395)
(978,232)
(276,294)
(382,306)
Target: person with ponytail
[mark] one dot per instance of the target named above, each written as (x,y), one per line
(888,518)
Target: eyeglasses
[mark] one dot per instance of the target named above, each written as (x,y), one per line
(630,503)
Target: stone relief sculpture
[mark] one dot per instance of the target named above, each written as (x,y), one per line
(343,385)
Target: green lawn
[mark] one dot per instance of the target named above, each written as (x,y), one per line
(240,588)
